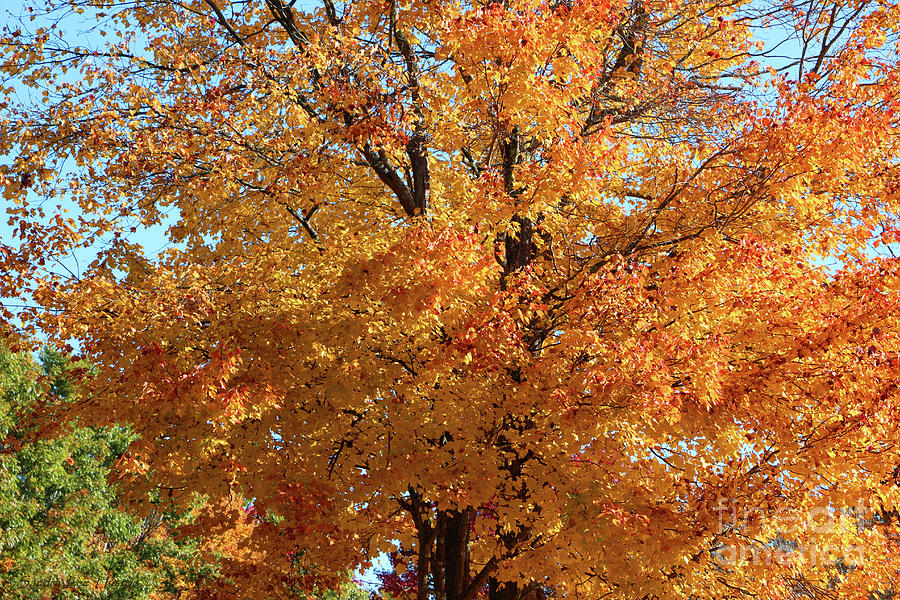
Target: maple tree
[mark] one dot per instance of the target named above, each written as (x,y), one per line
(581,298)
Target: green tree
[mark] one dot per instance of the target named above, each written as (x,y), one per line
(62,532)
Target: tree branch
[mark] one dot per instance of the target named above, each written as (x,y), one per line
(331,13)
(480,580)
(382,166)
(304,221)
(223,21)
(415,148)
(284,14)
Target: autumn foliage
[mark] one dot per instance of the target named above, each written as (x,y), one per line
(587,299)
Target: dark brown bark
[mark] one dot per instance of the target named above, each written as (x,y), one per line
(421,176)
(499,590)
(416,148)
(450,569)
(381,164)
(519,247)
(456,557)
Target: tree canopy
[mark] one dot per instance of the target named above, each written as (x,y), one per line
(62,535)
(578,298)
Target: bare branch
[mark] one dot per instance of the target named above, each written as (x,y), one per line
(331,13)
(284,14)
(415,148)
(304,221)
(480,580)
(382,166)
(223,21)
